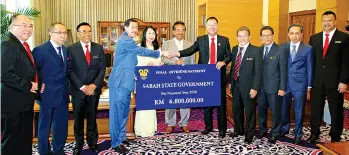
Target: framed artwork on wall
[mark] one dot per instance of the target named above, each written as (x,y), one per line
(69,38)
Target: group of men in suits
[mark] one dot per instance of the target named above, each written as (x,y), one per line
(43,75)
(274,74)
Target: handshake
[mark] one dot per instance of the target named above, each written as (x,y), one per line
(170,54)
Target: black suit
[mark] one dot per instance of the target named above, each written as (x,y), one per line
(274,77)
(80,74)
(328,73)
(249,78)
(223,54)
(17,73)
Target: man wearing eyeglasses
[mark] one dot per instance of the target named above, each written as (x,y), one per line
(51,61)
(273,84)
(86,67)
(19,86)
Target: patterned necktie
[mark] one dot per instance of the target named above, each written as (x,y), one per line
(293,52)
(60,54)
(327,40)
(265,53)
(238,63)
(88,55)
(213,52)
(27,48)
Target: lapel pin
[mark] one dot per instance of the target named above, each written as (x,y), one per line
(219,44)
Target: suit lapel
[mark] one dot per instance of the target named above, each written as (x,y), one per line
(22,49)
(271,51)
(93,52)
(300,49)
(81,53)
(207,49)
(53,52)
(219,48)
(288,46)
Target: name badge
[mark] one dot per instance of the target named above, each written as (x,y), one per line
(338,42)
(273,58)
(249,59)
(95,57)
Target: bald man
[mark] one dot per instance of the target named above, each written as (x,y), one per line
(19,85)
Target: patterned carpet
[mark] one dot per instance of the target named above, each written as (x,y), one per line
(195,143)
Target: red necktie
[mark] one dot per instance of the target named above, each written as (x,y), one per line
(238,63)
(327,40)
(88,55)
(213,52)
(27,48)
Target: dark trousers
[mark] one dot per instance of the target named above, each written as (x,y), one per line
(335,103)
(17,133)
(85,106)
(53,119)
(221,115)
(273,101)
(299,99)
(241,105)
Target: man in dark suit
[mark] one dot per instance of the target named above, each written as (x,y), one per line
(299,81)
(273,84)
(86,68)
(213,49)
(246,73)
(331,76)
(19,83)
(51,62)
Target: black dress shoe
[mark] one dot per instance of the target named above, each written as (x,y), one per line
(120,149)
(236,134)
(261,135)
(297,140)
(248,141)
(128,142)
(94,148)
(272,140)
(221,134)
(312,139)
(205,132)
(283,134)
(76,151)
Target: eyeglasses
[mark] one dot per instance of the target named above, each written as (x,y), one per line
(60,33)
(266,36)
(25,26)
(85,32)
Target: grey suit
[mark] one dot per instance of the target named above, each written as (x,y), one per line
(170,114)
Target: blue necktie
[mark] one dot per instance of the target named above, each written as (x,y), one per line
(265,53)
(60,54)
(293,52)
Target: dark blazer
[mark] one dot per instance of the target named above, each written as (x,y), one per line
(17,73)
(334,68)
(300,70)
(80,73)
(53,74)
(202,45)
(274,69)
(250,73)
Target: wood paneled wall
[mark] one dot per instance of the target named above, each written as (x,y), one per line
(73,12)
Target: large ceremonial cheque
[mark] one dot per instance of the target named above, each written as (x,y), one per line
(176,86)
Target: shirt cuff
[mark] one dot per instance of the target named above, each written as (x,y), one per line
(81,88)
(309,87)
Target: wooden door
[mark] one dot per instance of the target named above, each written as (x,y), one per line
(307,20)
